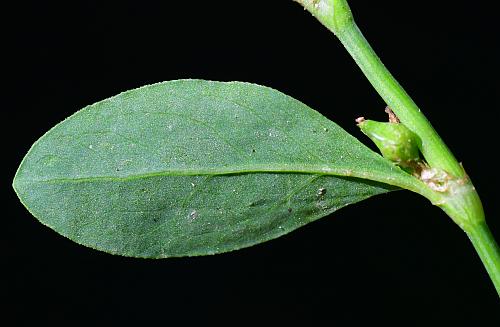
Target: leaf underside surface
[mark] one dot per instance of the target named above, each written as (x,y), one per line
(193,167)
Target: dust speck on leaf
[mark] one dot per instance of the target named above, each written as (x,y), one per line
(193,215)
(273,133)
(322,205)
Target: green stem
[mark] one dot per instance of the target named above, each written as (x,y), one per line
(457,196)
(488,251)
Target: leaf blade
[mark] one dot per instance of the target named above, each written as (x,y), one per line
(97,176)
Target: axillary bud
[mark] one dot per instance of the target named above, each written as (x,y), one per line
(394,140)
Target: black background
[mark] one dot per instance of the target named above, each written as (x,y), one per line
(392,258)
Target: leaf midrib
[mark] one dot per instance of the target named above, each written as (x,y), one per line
(397,179)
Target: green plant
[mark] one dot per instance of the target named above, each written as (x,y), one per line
(228,165)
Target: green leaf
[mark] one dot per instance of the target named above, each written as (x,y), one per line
(193,167)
